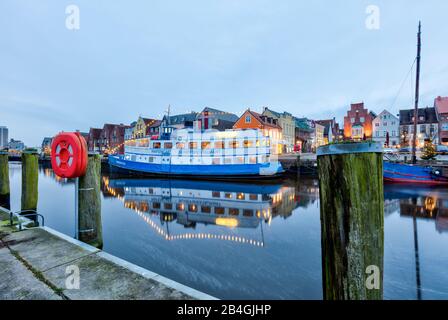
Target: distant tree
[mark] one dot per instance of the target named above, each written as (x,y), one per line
(429,150)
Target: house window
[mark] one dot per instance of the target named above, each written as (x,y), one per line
(248,119)
(352,120)
(216,161)
(168,145)
(156,145)
(193,145)
(362,119)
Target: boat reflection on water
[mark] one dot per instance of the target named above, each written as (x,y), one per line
(427,203)
(188,203)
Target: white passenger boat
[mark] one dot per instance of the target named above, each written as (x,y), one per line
(209,153)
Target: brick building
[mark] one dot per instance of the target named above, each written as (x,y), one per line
(358,123)
(441,107)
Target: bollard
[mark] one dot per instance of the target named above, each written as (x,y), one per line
(352,220)
(4,181)
(30,174)
(89,203)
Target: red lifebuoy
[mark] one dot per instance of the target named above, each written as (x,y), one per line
(69,155)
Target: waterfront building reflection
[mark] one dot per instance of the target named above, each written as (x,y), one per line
(188,203)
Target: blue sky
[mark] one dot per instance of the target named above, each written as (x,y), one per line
(131,58)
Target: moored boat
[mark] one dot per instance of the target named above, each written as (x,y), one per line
(201,153)
(415,174)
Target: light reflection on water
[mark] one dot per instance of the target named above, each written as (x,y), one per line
(254,241)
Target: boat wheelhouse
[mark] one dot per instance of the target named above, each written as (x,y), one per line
(189,152)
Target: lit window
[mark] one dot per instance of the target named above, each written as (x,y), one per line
(205,145)
(248,119)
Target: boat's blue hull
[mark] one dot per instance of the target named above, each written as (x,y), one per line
(412,174)
(234,170)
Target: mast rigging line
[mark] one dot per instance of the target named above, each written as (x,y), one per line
(402,84)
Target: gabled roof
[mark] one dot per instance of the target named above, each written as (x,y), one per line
(215,113)
(156,123)
(441,104)
(95,132)
(429,115)
(182,118)
(262,119)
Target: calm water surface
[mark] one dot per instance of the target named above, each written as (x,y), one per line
(250,241)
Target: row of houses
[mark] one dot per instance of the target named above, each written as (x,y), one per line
(398,131)
(292,133)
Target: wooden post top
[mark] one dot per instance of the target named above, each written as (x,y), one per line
(347,148)
(30,151)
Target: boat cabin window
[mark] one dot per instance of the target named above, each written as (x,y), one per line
(240,196)
(216,194)
(234,211)
(247,143)
(193,145)
(219,145)
(233,144)
(220,210)
(248,213)
(253,160)
(168,206)
(156,205)
(156,145)
(216,161)
(205,145)
(168,145)
(253,197)
(206,209)
(228,196)
(180,207)
(239,160)
(228,160)
(143,143)
(192,208)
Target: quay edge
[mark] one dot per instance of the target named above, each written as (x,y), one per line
(48,253)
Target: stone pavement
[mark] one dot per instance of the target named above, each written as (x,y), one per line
(40,263)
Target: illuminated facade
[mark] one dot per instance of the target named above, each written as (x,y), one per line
(358,123)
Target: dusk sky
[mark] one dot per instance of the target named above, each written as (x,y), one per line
(131,58)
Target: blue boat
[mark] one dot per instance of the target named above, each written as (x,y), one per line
(415,174)
(202,153)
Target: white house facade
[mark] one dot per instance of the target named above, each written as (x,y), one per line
(386,124)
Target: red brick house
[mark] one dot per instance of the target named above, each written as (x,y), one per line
(93,139)
(358,123)
(112,138)
(441,106)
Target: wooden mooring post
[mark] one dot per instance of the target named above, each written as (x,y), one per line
(4,181)
(30,174)
(89,203)
(352,220)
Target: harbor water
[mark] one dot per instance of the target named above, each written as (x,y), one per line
(254,240)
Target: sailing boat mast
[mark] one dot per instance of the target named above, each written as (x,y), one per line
(417,94)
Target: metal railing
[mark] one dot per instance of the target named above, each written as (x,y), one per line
(24,214)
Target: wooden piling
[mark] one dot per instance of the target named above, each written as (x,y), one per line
(4,180)
(30,174)
(89,203)
(352,221)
